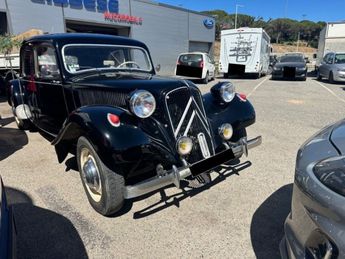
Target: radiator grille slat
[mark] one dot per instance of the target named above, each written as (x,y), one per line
(101,97)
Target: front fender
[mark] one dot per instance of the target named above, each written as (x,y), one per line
(17,93)
(239,113)
(112,144)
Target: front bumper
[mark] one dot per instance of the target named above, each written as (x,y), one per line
(317,220)
(339,76)
(279,74)
(175,175)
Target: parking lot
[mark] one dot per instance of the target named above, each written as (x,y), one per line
(241,215)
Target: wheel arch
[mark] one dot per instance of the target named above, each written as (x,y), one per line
(111,143)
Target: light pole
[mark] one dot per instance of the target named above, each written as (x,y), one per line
(238,5)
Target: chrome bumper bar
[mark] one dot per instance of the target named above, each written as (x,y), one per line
(175,175)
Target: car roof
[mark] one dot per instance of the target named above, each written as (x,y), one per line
(86,38)
(198,53)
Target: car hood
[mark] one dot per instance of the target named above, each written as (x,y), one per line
(328,142)
(290,64)
(129,82)
(338,137)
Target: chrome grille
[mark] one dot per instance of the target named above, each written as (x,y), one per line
(187,118)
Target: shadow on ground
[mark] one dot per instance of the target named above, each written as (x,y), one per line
(267,227)
(42,233)
(11,140)
(167,201)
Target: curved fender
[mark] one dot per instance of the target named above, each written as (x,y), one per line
(114,145)
(17,92)
(240,114)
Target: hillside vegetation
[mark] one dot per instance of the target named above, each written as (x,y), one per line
(282,30)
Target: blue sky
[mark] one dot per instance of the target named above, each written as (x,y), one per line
(315,10)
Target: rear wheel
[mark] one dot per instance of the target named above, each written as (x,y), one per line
(331,78)
(103,187)
(206,79)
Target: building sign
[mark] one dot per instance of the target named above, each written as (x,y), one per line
(209,23)
(110,8)
(122,18)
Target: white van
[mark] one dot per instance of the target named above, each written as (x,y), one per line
(244,51)
(195,65)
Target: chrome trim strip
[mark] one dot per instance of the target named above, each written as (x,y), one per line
(183,117)
(203,145)
(189,124)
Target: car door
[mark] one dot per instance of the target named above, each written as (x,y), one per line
(51,101)
(322,68)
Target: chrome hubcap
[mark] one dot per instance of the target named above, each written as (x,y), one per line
(90,175)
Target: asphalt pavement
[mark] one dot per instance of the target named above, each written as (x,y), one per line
(240,215)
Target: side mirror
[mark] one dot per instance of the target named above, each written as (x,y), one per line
(158,68)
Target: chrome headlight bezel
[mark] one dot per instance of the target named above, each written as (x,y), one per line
(227,92)
(137,104)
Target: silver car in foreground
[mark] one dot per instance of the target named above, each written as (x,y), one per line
(315,228)
(332,67)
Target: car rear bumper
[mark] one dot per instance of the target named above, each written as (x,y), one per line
(175,175)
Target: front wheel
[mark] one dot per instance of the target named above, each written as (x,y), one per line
(103,187)
(318,75)
(331,78)
(22,124)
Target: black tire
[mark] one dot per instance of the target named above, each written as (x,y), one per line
(318,75)
(23,124)
(112,184)
(226,75)
(304,78)
(331,78)
(206,79)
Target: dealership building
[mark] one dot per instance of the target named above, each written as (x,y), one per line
(166,30)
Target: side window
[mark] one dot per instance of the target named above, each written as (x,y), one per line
(331,58)
(47,67)
(28,62)
(326,58)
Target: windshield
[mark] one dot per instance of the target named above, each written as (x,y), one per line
(291,59)
(339,59)
(193,60)
(88,57)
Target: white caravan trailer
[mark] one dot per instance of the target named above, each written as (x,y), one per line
(332,39)
(244,51)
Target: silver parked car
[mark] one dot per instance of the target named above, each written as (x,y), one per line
(315,227)
(332,67)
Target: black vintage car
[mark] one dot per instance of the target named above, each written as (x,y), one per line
(132,132)
(290,66)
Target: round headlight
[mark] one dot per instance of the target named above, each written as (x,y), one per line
(142,104)
(226,131)
(184,146)
(227,92)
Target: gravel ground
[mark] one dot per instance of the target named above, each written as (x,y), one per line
(240,216)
